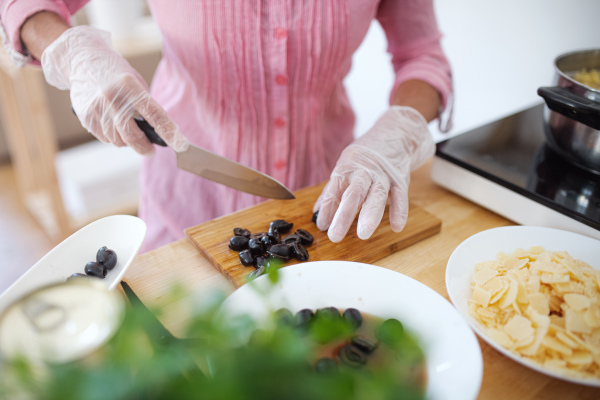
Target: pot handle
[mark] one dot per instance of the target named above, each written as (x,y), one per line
(572,105)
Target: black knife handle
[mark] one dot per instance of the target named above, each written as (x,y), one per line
(146,128)
(149,131)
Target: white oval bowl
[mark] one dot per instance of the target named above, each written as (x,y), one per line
(122,233)
(484,246)
(453,355)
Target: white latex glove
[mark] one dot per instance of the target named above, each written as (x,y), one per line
(374,167)
(106,91)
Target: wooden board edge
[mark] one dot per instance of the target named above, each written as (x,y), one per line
(209,257)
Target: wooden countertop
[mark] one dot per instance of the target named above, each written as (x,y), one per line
(153,274)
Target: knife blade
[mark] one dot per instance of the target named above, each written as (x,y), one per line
(220,169)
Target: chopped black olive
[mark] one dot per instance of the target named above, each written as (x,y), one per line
(256,247)
(307,238)
(315,216)
(300,251)
(291,239)
(303,318)
(241,232)
(352,356)
(281,250)
(281,226)
(246,258)
(256,273)
(366,345)
(353,316)
(238,243)
(268,241)
(258,235)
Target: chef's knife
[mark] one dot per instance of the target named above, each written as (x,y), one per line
(220,169)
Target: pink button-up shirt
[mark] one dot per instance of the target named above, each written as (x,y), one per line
(259,82)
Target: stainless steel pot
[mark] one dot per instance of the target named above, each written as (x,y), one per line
(572,112)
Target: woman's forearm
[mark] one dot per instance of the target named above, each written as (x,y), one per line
(40,30)
(419,95)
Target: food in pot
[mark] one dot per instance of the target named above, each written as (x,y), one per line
(588,77)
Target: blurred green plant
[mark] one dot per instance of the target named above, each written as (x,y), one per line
(277,362)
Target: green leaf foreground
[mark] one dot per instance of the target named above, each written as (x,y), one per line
(275,363)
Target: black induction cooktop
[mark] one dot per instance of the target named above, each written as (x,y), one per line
(512,152)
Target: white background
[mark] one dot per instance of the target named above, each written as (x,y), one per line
(500,51)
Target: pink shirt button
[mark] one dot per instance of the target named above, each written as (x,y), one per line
(279,122)
(280,79)
(281,33)
(280,164)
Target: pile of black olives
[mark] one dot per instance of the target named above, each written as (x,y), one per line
(356,350)
(259,249)
(106,260)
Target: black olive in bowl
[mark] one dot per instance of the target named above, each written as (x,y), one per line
(107,257)
(96,269)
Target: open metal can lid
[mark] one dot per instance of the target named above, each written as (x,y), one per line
(61,322)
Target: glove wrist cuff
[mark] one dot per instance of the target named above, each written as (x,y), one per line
(59,59)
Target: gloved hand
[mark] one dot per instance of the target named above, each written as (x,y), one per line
(374,167)
(106,91)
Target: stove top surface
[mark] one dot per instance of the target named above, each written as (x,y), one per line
(512,152)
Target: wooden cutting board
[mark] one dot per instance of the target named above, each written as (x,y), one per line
(212,237)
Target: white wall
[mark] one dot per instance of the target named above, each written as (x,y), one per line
(501,51)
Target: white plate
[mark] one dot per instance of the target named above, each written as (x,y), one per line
(122,233)
(485,245)
(454,361)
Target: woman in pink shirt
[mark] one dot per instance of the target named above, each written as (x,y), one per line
(259,82)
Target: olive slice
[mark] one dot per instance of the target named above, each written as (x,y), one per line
(280,225)
(326,365)
(277,256)
(246,258)
(300,251)
(275,236)
(268,241)
(256,273)
(303,318)
(256,247)
(241,232)
(261,262)
(354,317)
(96,269)
(291,239)
(281,250)
(307,238)
(106,257)
(352,356)
(238,243)
(258,235)
(315,216)
(363,343)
